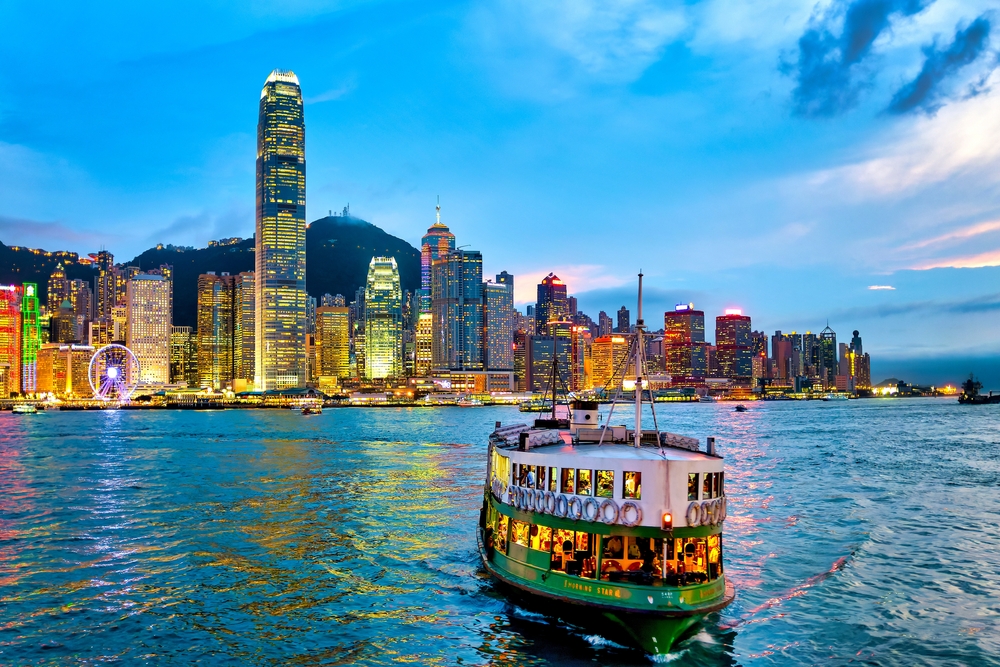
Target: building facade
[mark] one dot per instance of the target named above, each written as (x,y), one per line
(551,304)
(63,370)
(280,299)
(684,344)
(333,337)
(148,312)
(216,301)
(498,325)
(457,307)
(383,320)
(734,348)
(31,337)
(436,243)
(183,356)
(10,340)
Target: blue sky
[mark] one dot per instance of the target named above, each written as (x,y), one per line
(783,157)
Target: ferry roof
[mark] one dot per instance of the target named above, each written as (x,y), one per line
(621,451)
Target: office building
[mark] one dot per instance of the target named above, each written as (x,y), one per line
(333,337)
(538,364)
(183,357)
(684,344)
(520,359)
(31,338)
(10,340)
(63,369)
(244,329)
(551,305)
(734,347)
(62,324)
(58,289)
(828,355)
(624,320)
(498,323)
(148,313)
(216,324)
(383,320)
(605,326)
(457,306)
(436,243)
(781,356)
(280,298)
(424,345)
(609,357)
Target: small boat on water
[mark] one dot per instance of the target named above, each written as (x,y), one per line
(836,397)
(615,529)
(971,395)
(470,403)
(535,405)
(706,399)
(312,409)
(741,408)
(24,409)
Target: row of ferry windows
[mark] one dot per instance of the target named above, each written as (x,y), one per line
(711,485)
(600,483)
(677,561)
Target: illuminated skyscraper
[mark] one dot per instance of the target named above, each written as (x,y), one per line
(31,338)
(383,320)
(457,306)
(498,322)
(828,361)
(215,330)
(551,305)
(281,235)
(423,342)
(148,312)
(684,343)
(734,349)
(333,336)
(58,289)
(609,356)
(244,330)
(183,356)
(10,340)
(624,320)
(437,242)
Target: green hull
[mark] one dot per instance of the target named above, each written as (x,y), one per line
(652,618)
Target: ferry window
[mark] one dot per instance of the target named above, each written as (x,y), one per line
(541,538)
(529,477)
(568,480)
(553,479)
(540,482)
(583,482)
(614,547)
(515,480)
(605,483)
(715,485)
(706,486)
(714,557)
(573,553)
(722,484)
(500,533)
(633,485)
(519,532)
(693,486)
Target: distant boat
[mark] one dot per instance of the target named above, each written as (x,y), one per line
(536,405)
(24,409)
(316,409)
(470,403)
(706,399)
(741,408)
(971,396)
(835,397)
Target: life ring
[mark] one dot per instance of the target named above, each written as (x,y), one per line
(725,508)
(717,511)
(539,501)
(706,513)
(694,514)
(623,515)
(593,504)
(576,513)
(512,496)
(562,506)
(549,500)
(527,500)
(603,513)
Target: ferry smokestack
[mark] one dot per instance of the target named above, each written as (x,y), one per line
(710,445)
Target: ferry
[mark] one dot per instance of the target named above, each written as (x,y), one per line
(24,409)
(617,530)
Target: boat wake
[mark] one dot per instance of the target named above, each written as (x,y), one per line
(794,592)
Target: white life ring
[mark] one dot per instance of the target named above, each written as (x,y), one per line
(623,515)
(572,513)
(694,514)
(725,508)
(549,499)
(562,506)
(706,513)
(594,505)
(603,514)
(539,501)
(512,496)
(717,511)
(527,500)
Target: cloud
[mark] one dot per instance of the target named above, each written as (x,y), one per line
(332,94)
(957,235)
(988,258)
(981,304)
(828,68)
(34,234)
(578,278)
(924,91)
(881,287)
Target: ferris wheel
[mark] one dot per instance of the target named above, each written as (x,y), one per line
(113,373)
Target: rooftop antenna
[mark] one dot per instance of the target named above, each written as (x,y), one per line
(439,210)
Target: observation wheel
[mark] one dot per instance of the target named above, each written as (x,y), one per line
(113,373)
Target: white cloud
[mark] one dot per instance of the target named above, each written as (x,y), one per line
(578,278)
(881,287)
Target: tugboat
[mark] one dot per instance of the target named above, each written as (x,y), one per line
(614,529)
(971,396)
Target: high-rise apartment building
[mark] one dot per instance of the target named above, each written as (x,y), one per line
(383,320)
(280,299)
(684,343)
(436,243)
(216,300)
(183,356)
(498,323)
(624,320)
(148,311)
(10,340)
(31,338)
(551,305)
(333,337)
(457,306)
(58,289)
(734,348)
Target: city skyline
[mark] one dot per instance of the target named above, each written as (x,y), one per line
(837,205)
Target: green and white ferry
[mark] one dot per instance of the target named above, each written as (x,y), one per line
(615,529)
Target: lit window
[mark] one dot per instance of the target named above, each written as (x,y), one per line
(605,483)
(633,485)
(693,486)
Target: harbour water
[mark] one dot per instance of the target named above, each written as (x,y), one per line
(862,532)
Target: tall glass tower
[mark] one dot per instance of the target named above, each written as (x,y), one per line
(383,320)
(280,323)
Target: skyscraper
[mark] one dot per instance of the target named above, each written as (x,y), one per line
(610,353)
(457,306)
(280,299)
(828,355)
(498,323)
(604,325)
(10,340)
(31,338)
(383,320)
(148,312)
(423,342)
(684,343)
(244,328)
(58,288)
(334,339)
(437,242)
(624,320)
(551,305)
(216,367)
(183,356)
(734,349)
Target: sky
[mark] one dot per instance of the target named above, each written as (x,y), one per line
(810,163)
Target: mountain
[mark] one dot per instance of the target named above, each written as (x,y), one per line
(338,250)
(27,265)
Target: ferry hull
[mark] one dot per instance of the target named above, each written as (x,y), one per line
(653,632)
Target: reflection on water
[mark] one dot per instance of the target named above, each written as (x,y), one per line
(858,531)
